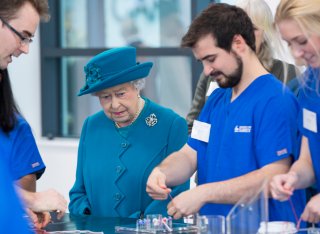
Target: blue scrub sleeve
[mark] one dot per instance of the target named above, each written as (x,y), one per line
(277,134)
(25,157)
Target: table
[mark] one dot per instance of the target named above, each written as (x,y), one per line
(97,224)
(102,224)
(92,223)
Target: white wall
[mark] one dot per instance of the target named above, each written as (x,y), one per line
(25,78)
(60,156)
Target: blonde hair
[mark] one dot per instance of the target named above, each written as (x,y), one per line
(305,12)
(261,16)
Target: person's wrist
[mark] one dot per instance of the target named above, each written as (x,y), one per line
(35,202)
(30,199)
(294,178)
(293,174)
(158,169)
(27,196)
(204,193)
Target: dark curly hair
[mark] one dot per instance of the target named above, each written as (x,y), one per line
(223,22)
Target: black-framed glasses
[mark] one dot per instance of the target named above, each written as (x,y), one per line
(24,40)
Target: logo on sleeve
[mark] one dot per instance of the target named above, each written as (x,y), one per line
(244,129)
(36,164)
(282,152)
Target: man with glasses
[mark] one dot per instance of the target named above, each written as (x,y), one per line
(19,20)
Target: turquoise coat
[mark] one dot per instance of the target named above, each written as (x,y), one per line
(114,164)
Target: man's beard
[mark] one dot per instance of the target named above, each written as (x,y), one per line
(232,79)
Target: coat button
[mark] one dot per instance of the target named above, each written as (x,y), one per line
(124,145)
(117,196)
(118,169)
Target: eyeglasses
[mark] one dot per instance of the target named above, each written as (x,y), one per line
(24,40)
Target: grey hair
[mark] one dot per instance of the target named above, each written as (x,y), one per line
(139,84)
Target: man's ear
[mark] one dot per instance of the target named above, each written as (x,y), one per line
(238,43)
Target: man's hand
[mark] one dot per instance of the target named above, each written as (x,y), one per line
(39,219)
(156,185)
(282,186)
(186,203)
(49,200)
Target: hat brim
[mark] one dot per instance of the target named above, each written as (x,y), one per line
(139,71)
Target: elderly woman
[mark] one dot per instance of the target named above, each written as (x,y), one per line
(120,145)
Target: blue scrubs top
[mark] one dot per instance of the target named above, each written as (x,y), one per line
(114,163)
(256,129)
(12,216)
(309,99)
(19,149)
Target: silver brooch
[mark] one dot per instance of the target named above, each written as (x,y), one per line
(151,120)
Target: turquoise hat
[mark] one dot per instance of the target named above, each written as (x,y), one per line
(113,67)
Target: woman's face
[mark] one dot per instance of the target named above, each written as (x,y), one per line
(120,103)
(302,45)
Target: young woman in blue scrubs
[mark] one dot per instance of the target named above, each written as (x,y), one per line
(299,25)
(17,143)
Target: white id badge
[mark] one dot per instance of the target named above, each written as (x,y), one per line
(200,131)
(310,120)
(213,85)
